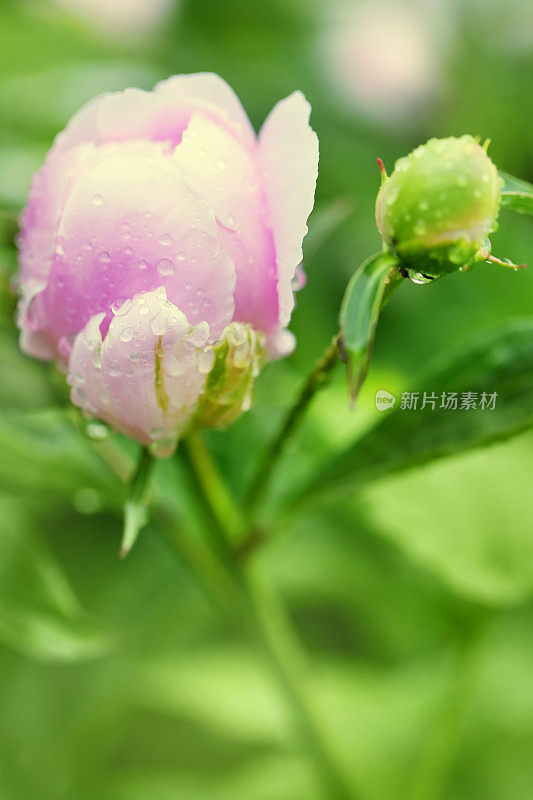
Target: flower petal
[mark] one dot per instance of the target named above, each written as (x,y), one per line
(130,224)
(144,379)
(288,154)
(219,169)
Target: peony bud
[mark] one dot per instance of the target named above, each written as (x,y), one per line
(439,206)
(159,232)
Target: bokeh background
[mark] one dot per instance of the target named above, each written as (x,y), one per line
(123,680)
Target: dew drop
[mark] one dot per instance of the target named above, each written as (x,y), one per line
(114,368)
(165,266)
(393,195)
(96,357)
(174,367)
(180,256)
(98,200)
(163,448)
(206,359)
(144,310)
(165,239)
(120,307)
(126,335)
(142,264)
(159,325)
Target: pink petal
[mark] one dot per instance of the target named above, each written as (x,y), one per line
(146,376)
(39,220)
(288,154)
(130,224)
(219,169)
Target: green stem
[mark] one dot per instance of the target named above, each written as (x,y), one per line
(266,622)
(220,502)
(315,381)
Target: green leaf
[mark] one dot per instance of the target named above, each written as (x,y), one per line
(136,505)
(359,314)
(516,194)
(39,614)
(500,361)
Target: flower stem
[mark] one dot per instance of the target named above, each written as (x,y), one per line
(317,379)
(266,622)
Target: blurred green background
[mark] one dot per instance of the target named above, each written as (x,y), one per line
(123,680)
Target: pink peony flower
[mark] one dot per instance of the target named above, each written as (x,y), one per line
(158,252)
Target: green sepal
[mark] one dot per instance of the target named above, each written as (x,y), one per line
(228,390)
(368,290)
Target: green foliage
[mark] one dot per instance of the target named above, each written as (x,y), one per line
(124,680)
(517,195)
(500,362)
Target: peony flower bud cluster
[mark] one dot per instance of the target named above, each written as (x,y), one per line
(158,253)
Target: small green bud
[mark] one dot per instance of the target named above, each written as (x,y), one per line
(229,386)
(437,209)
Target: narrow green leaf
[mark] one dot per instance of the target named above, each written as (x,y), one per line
(136,505)
(375,279)
(500,361)
(517,194)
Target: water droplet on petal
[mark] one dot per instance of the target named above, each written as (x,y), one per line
(165,266)
(120,307)
(174,367)
(98,200)
(206,359)
(165,239)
